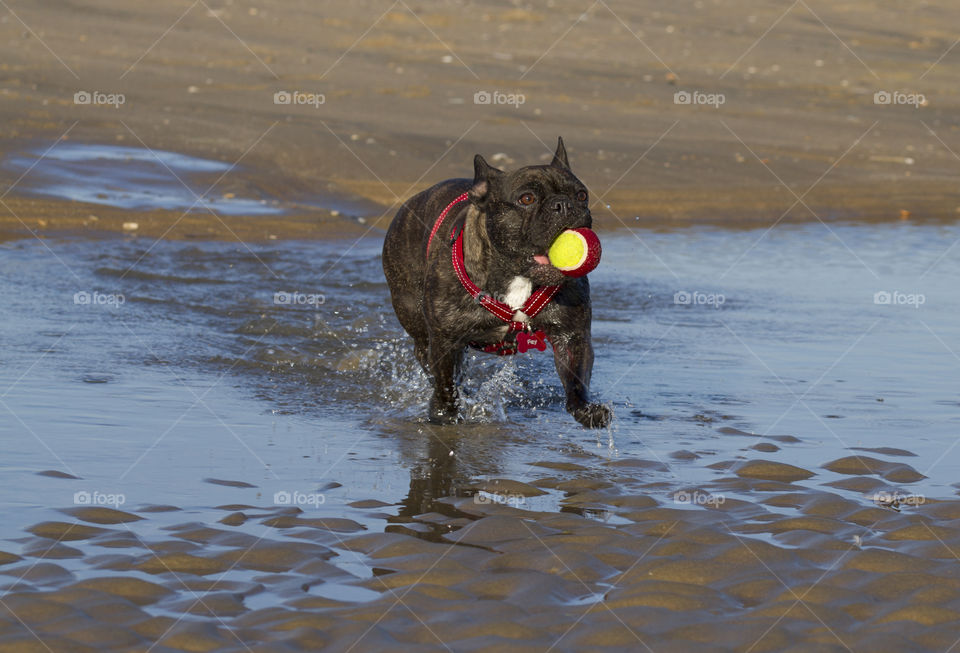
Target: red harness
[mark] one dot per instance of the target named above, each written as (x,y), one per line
(525,338)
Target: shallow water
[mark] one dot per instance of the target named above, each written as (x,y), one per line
(255,410)
(270,390)
(204,372)
(139,179)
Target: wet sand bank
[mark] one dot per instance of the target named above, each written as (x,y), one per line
(799,134)
(796,568)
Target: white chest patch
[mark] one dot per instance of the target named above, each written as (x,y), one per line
(518,292)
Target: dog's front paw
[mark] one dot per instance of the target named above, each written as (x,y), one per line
(443,413)
(593,416)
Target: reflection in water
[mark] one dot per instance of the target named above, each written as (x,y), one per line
(446,461)
(436,476)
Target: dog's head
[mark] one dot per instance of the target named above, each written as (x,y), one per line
(526,209)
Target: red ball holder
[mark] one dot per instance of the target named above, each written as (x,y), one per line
(592,259)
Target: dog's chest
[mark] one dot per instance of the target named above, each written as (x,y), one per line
(518,292)
(515,295)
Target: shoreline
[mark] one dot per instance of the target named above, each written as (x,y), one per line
(799,119)
(28,216)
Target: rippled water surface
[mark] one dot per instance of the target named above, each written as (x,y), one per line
(159,370)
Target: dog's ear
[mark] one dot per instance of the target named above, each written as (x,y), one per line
(560,156)
(483,175)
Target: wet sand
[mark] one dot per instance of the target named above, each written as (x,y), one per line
(794,569)
(42,218)
(798,136)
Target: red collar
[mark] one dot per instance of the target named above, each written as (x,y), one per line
(518,320)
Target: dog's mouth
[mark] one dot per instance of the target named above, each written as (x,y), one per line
(543,259)
(543,273)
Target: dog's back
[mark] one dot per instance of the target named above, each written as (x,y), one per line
(409,232)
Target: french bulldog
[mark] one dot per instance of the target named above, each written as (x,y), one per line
(506,223)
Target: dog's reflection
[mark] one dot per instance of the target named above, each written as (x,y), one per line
(445,462)
(438,475)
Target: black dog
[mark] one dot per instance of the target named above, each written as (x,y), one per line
(502,224)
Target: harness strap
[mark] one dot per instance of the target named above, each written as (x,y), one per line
(443,214)
(534,304)
(519,320)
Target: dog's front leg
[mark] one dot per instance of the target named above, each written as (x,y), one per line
(444,357)
(573,356)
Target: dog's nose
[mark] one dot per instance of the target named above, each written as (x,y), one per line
(563,207)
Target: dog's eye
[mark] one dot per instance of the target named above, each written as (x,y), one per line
(527,199)
(582,196)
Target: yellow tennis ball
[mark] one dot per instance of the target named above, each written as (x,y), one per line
(568,251)
(575,252)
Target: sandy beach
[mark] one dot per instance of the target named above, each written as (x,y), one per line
(778,117)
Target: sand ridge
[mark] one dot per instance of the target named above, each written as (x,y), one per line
(796,566)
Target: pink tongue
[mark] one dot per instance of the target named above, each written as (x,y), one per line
(541,259)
